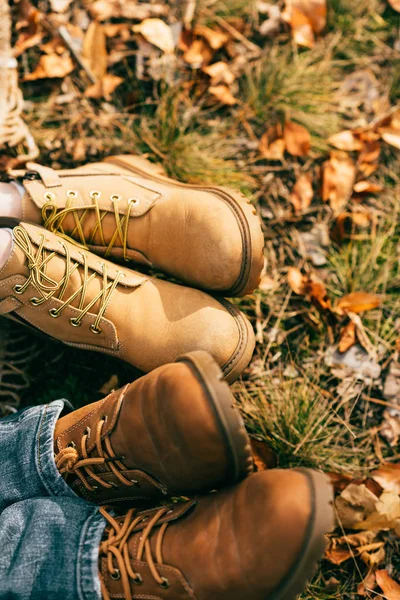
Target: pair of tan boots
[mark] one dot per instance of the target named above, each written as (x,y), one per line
(175,431)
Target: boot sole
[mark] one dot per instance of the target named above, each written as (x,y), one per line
(227,416)
(244,212)
(315,542)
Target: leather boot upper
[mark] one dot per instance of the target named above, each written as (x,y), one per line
(207,237)
(88,302)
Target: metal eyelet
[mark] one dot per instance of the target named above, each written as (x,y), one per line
(87,432)
(53,312)
(116,574)
(71,445)
(72,193)
(18,289)
(115,197)
(49,196)
(135,483)
(134,201)
(138,579)
(104,418)
(35,301)
(74,322)
(95,194)
(165,583)
(95,330)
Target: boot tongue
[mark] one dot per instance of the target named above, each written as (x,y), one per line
(30,211)
(16,264)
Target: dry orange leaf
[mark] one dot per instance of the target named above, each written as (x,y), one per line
(306,17)
(263,456)
(395,4)
(297,139)
(94,50)
(104,88)
(363,187)
(297,281)
(388,477)
(345,140)
(348,336)
(219,73)
(216,39)
(223,94)
(198,54)
(357,302)
(52,65)
(391,136)
(389,587)
(158,33)
(302,193)
(339,173)
(272,144)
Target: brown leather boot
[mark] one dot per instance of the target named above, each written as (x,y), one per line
(259,540)
(175,431)
(123,208)
(90,303)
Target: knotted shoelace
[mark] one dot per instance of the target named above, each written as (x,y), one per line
(47,287)
(69,461)
(116,549)
(54,218)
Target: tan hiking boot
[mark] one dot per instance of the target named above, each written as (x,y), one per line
(90,303)
(259,540)
(207,237)
(174,431)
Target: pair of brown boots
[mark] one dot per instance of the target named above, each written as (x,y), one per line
(175,431)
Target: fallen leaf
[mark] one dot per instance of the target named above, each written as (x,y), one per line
(302,193)
(368,584)
(127,9)
(347,337)
(198,54)
(342,548)
(362,187)
(60,6)
(391,136)
(104,88)
(264,458)
(158,33)
(272,144)
(94,51)
(395,4)
(219,73)
(223,94)
(357,302)
(389,587)
(348,224)
(51,65)
(297,139)
(354,504)
(345,140)
(297,281)
(386,516)
(339,173)
(216,39)
(388,477)
(306,17)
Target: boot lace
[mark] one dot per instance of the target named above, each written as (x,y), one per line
(54,218)
(47,287)
(116,549)
(69,461)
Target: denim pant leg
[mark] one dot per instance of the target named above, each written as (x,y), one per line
(27,467)
(49,550)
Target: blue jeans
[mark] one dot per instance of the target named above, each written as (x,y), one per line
(49,537)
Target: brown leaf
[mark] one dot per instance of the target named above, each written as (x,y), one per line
(297,281)
(198,54)
(345,140)
(339,173)
(391,136)
(52,65)
(302,193)
(263,456)
(388,477)
(348,337)
(357,302)
(223,94)
(219,73)
(216,39)
(389,587)
(272,144)
(305,17)
(158,33)
(297,139)
(386,515)
(104,88)
(395,4)
(354,504)
(127,9)
(368,584)
(367,187)
(94,51)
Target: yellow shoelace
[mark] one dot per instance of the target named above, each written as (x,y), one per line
(54,218)
(115,548)
(69,461)
(47,287)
